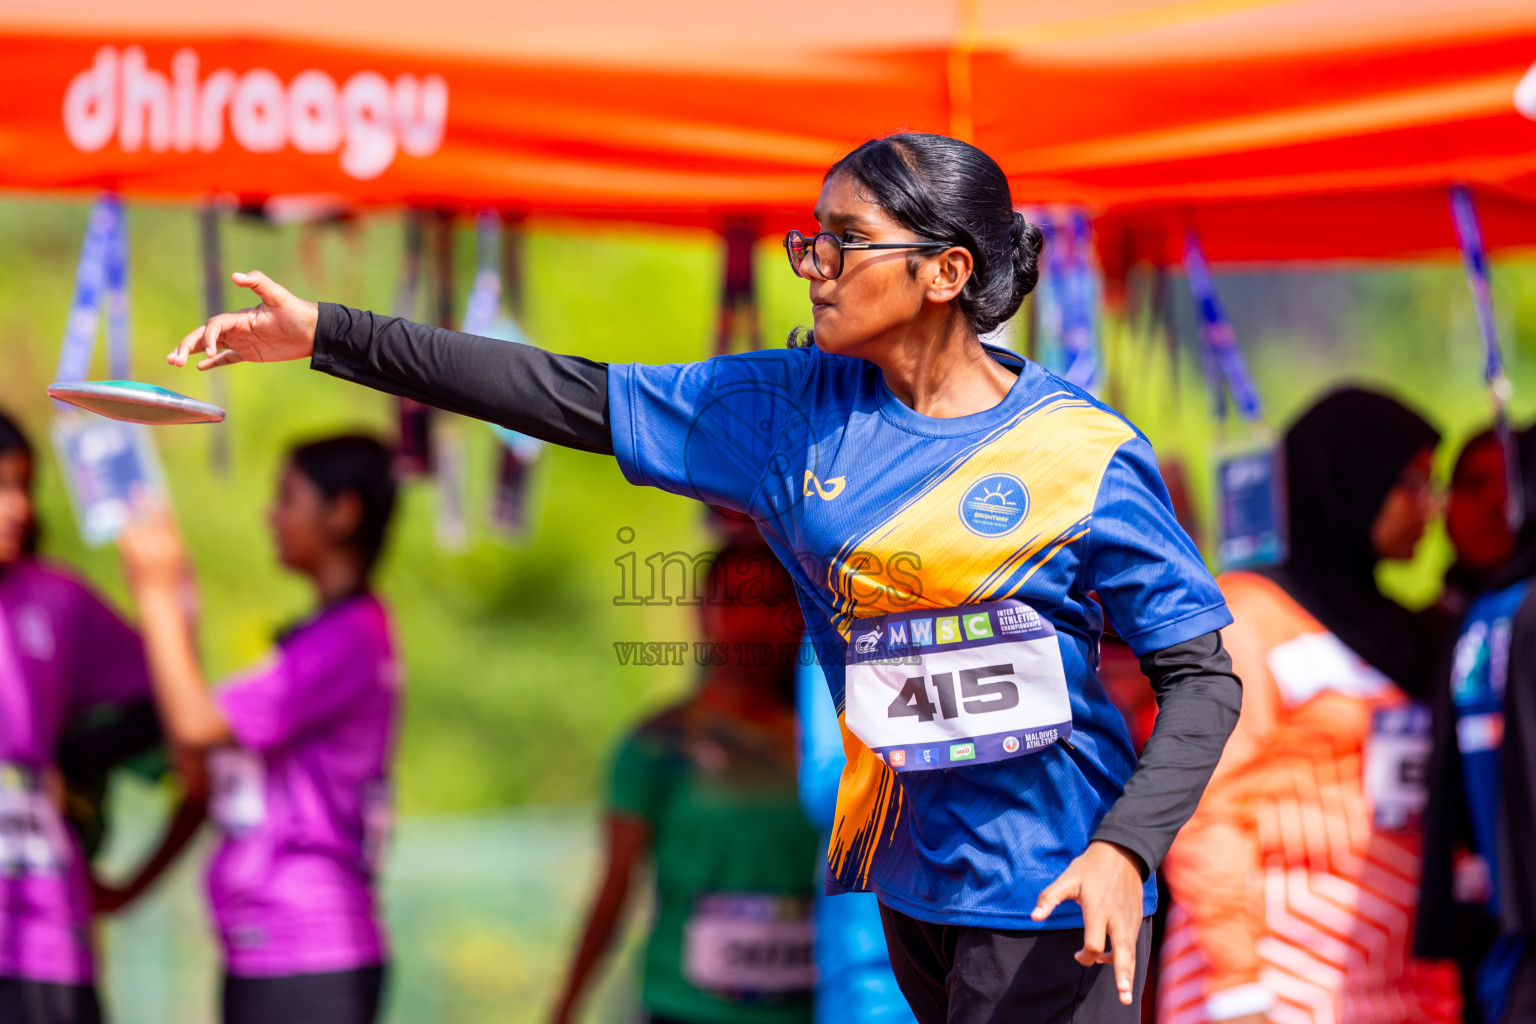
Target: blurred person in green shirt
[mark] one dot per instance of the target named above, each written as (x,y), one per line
(707,792)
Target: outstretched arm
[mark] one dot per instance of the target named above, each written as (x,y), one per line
(628,840)
(184,824)
(156,566)
(561,399)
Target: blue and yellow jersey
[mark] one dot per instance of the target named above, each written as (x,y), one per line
(1046,498)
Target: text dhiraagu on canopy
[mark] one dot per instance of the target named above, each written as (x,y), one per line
(366,120)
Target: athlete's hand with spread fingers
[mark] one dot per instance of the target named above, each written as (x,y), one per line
(281,328)
(1106,882)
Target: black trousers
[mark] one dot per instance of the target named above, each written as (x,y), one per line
(40,1002)
(954,974)
(339,997)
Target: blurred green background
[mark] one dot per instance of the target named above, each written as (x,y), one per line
(515,695)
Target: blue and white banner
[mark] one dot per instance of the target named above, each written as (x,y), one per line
(101,277)
(1250,491)
(484,316)
(1474,258)
(483,308)
(105,462)
(1218,340)
(1067,298)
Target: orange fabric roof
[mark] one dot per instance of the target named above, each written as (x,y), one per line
(1281,128)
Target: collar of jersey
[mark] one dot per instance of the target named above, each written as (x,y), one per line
(903,417)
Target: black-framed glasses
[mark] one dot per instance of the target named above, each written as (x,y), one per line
(826,251)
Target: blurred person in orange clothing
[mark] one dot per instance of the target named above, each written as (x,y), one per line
(1296,882)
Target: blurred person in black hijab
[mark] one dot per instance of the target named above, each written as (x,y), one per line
(1481,818)
(1359,477)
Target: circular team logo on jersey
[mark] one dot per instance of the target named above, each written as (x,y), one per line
(1011,744)
(994,505)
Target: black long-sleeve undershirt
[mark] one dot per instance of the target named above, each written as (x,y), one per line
(1198,698)
(560,399)
(564,400)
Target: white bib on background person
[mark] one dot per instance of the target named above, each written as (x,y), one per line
(33,840)
(378,823)
(967,685)
(239,796)
(750,943)
(1314,662)
(1397,766)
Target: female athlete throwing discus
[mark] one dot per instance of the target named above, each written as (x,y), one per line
(948,511)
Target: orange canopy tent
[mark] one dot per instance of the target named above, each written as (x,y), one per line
(1282,129)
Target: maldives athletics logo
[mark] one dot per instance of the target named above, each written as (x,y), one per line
(994,505)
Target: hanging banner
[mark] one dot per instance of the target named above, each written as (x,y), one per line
(483,306)
(1217,337)
(1251,513)
(514,246)
(413,445)
(447,458)
(1172,464)
(1249,478)
(101,278)
(739,320)
(1474,259)
(484,315)
(509,501)
(1050,316)
(1080,321)
(1067,299)
(105,462)
(450,469)
(213,304)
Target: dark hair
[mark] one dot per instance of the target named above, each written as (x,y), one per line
(950,191)
(362,465)
(14,439)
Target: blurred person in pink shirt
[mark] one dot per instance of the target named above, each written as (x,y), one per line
(298,748)
(63,653)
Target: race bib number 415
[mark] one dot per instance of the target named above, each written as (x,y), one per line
(962,686)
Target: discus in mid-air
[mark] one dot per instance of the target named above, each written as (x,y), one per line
(135,402)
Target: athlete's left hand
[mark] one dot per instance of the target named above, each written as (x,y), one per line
(1106,882)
